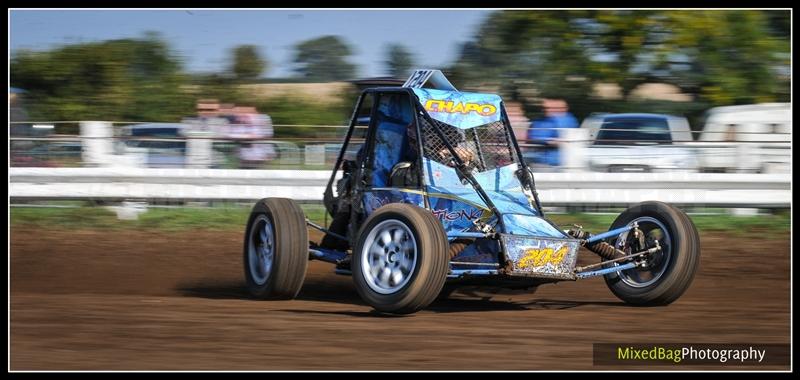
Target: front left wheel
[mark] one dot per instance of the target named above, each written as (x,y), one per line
(401,259)
(275,249)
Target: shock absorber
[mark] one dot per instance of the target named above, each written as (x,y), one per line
(601,248)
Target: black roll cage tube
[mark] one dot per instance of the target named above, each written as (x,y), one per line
(328,195)
(527,179)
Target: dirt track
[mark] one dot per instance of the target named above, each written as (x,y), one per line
(92,300)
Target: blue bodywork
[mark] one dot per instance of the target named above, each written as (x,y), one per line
(458,203)
(454,201)
(451,198)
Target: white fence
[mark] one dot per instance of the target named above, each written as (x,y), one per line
(555,189)
(98,146)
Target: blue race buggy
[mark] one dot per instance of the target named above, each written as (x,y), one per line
(429,188)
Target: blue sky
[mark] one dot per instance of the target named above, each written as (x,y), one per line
(203,38)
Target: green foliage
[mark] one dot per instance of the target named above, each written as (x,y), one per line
(324,59)
(127,79)
(80,217)
(730,56)
(772,226)
(217,86)
(247,63)
(719,57)
(291,110)
(399,61)
(300,111)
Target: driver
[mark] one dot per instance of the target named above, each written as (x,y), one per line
(404,173)
(443,155)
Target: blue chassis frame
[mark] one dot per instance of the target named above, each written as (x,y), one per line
(335,257)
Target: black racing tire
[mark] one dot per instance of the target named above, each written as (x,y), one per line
(419,281)
(677,270)
(287,244)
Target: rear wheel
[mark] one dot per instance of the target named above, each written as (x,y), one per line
(401,259)
(663,276)
(275,249)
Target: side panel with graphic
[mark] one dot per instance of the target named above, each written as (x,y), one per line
(500,184)
(376,198)
(454,214)
(460,109)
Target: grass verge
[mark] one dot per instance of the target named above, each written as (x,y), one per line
(234,218)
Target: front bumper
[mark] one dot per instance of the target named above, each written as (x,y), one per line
(540,257)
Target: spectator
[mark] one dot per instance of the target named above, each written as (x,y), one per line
(519,123)
(265,122)
(207,108)
(208,118)
(545,131)
(249,127)
(242,126)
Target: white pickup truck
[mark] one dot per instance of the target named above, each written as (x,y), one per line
(639,142)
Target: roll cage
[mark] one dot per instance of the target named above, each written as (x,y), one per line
(362,169)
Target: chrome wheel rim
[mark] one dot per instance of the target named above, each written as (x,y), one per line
(656,263)
(260,252)
(389,257)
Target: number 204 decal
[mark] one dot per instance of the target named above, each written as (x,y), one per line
(536,257)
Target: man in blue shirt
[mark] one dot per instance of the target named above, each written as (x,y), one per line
(546,131)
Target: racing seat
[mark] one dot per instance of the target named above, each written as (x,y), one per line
(404,174)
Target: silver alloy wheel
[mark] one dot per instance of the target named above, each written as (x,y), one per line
(389,256)
(261,249)
(657,263)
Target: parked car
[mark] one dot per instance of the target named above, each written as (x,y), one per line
(639,142)
(163,144)
(28,146)
(57,154)
(156,140)
(747,138)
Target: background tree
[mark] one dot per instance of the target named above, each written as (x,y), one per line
(541,53)
(399,61)
(726,57)
(717,57)
(127,79)
(324,59)
(247,63)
